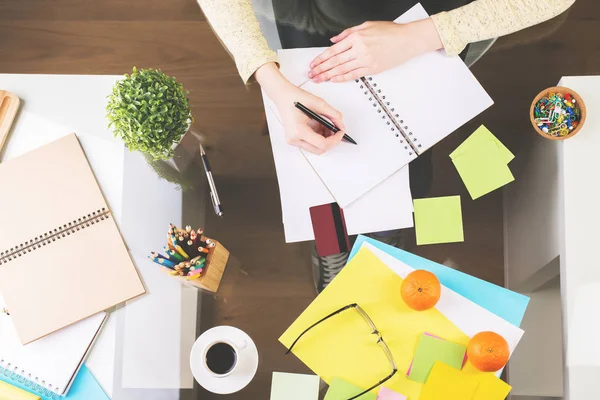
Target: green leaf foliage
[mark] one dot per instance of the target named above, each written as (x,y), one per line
(150,112)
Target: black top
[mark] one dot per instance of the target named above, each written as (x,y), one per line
(310,23)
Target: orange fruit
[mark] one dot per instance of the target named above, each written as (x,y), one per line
(421,290)
(488,351)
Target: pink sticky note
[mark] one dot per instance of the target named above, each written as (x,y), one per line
(437,337)
(387,394)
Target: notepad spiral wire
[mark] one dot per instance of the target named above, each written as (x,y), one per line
(54,235)
(32,384)
(397,125)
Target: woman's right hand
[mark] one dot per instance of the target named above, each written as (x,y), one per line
(300,130)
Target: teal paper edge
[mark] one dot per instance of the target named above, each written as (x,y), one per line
(85,387)
(505,303)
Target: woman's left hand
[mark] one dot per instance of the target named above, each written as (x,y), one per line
(373,47)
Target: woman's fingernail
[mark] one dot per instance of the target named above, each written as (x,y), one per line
(312,64)
(311,74)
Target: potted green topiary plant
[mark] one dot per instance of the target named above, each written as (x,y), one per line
(150,111)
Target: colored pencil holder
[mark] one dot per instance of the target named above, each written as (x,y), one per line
(216,261)
(563,91)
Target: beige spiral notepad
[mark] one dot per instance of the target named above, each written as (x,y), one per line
(62,258)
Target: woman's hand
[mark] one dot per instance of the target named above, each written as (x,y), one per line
(373,47)
(300,130)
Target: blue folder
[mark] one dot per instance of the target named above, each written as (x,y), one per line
(504,303)
(85,387)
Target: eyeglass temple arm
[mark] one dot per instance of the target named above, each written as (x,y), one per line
(381,382)
(318,322)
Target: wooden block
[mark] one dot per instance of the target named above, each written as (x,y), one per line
(215,267)
(9,105)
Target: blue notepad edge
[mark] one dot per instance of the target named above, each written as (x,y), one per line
(85,387)
(505,303)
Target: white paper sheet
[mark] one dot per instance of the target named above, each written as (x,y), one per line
(466,315)
(164,319)
(159,321)
(388,206)
(54,359)
(411,89)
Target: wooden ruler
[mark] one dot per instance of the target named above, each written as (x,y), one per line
(9,105)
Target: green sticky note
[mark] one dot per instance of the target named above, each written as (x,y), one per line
(438,220)
(431,349)
(294,386)
(342,390)
(483,171)
(478,140)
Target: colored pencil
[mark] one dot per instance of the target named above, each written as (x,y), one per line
(166,263)
(182,252)
(194,238)
(162,262)
(196,272)
(193,249)
(176,255)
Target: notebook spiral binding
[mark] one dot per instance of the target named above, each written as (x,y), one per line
(9,372)
(398,126)
(53,235)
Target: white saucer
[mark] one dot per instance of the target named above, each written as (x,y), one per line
(243,373)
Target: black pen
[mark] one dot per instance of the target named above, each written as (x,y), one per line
(313,115)
(214,196)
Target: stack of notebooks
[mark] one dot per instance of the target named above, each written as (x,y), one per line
(394,116)
(63,263)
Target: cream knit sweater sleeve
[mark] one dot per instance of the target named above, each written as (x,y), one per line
(237,27)
(486,19)
(235,23)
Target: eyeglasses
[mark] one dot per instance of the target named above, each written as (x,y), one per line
(374,331)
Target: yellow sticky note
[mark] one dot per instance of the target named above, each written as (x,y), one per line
(479,139)
(448,383)
(491,388)
(344,346)
(483,171)
(438,220)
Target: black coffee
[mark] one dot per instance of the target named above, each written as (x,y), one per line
(221,358)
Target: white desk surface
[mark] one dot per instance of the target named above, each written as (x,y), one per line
(551,226)
(579,265)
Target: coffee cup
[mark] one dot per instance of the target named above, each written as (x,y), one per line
(220,357)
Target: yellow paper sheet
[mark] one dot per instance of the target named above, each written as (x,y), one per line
(480,138)
(9,392)
(491,388)
(343,346)
(448,383)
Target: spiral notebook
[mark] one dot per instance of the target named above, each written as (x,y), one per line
(62,258)
(47,366)
(394,116)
